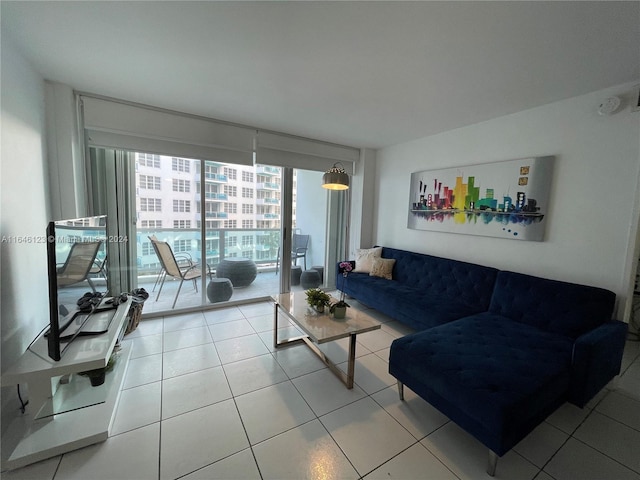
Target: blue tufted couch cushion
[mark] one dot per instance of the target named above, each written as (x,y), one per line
(559,307)
(495,378)
(425,290)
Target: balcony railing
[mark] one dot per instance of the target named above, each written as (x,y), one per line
(262,248)
(267,170)
(216,214)
(268,201)
(216,177)
(267,186)
(216,196)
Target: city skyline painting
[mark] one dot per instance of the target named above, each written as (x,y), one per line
(507,199)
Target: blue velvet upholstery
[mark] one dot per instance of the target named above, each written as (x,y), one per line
(497,352)
(560,307)
(496,379)
(425,290)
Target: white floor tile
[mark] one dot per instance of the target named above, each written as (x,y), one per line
(241,348)
(147,345)
(222,315)
(180,322)
(541,444)
(577,460)
(44,470)
(367,434)
(190,337)
(272,410)
(240,466)
(338,351)
(307,451)
(324,392)
(568,417)
(298,360)
(231,329)
(621,408)
(371,373)
(629,382)
(467,457)
(130,455)
(263,323)
(137,407)
(414,413)
(198,438)
(397,329)
(612,438)
(256,309)
(415,462)
(376,340)
(284,332)
(194,390)
(254,373)
(187,360)
(151,326)
(143,370)
(383,354)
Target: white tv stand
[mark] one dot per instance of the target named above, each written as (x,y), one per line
(63,416)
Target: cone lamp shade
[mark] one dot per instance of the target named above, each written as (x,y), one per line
(335,178)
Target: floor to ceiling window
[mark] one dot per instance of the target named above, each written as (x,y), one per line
(223,219)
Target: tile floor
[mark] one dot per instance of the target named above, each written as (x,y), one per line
(206,397)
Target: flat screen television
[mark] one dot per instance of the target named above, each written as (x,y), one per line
(76,264)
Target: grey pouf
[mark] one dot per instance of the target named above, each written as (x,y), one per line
(241,271)
(320,270)
(295,274)
(310,279)
(219,290)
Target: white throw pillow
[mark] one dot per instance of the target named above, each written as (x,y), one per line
(365,257)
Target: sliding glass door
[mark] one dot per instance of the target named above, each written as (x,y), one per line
(261,227)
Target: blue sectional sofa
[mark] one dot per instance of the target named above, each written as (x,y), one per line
(495,351)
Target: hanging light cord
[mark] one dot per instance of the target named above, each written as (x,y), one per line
(23,404)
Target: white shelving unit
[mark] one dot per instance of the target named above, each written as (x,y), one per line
(61,417)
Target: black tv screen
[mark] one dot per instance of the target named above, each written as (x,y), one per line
(76,263)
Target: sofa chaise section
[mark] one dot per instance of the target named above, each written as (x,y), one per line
(500,373)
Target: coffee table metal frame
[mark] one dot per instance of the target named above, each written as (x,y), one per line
(294,307)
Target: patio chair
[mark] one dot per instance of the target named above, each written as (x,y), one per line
(78,264)
(183,258)
(299,247)
(171,268)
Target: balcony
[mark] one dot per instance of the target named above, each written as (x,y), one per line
(268,201)
(267,216)
(216,214)
(265,170)
(216,178)
(268,186)
(222,197)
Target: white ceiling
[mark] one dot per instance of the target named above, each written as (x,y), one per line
(367,74)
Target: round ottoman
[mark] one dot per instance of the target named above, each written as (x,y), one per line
(241,271)
(295,274)
(219,290)
(310,279)
(320,269)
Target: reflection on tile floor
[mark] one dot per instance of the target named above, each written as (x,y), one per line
(206,397)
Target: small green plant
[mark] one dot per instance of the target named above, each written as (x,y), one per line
(317,298)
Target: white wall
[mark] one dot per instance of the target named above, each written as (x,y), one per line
(593,212)
(23,295)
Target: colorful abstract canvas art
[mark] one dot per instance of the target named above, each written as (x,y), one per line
(506,199)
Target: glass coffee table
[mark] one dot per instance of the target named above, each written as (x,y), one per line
(321,328)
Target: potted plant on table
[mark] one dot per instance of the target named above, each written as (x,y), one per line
(317,299)
(339,309)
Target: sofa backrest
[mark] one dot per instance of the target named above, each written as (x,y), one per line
(465,282)
(559,307)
